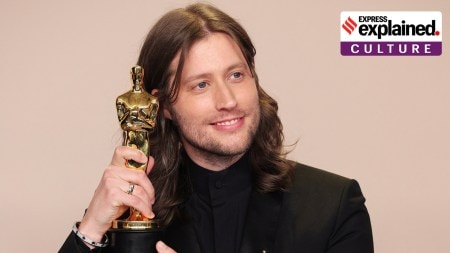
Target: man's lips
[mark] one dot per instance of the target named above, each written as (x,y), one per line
(227,122)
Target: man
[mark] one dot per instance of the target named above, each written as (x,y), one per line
(217,178)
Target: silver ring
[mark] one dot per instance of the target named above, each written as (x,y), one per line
(130,189)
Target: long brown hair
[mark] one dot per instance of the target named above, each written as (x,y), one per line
(175,33)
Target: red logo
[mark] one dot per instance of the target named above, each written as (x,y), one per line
(349,25)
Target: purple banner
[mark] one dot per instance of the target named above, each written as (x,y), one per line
(369,48)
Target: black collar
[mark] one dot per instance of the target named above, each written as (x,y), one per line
(231,181)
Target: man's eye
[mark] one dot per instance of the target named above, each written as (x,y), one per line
(201,85)
(236,75)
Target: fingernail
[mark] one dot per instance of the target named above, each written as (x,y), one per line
(151,216)
(161,245)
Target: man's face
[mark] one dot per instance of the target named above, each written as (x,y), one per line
(217,110)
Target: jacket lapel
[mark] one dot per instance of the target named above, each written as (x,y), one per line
(260,229)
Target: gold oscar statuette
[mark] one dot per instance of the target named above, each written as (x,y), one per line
(136,110)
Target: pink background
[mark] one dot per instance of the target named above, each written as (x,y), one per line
(384,121)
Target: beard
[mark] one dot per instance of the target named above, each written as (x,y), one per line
(214,147)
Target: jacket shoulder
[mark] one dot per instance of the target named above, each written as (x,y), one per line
(319,193)
(307,177)
(323,211)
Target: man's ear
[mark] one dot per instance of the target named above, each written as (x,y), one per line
(166,111)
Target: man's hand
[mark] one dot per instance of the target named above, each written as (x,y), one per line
(163,248)
(111,200)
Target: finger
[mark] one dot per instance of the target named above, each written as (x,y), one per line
(150,164)
(163,248)
(121,195)
(143,189)
(137,191)
(146,193)
(139,201)
(123,153)
(137,177)
(129,176)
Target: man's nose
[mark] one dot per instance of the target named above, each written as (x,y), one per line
(225,98)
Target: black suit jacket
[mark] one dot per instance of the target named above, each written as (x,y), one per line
(321,212)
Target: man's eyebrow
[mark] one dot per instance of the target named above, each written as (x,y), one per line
(243,65)
(197,76)
(205,75)
(238,65)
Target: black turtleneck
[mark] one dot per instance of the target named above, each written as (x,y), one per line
(218,205)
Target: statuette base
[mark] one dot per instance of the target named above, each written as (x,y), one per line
(134,240)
